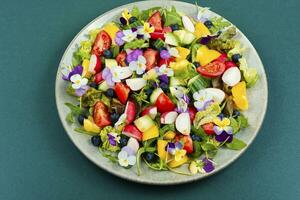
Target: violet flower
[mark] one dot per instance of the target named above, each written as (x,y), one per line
(208,165)
(67,72)
(107,76)
(113,139)
(119,41)
(222,129)
(164,54)
(133,55)
(164,78)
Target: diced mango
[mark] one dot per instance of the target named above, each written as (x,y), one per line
(175,163)
(183,53)
(161,149)
(90,126)
(206,55)
(152,132)
(201,30)
(169,135)
(240,96)
(85,65)
(112,30)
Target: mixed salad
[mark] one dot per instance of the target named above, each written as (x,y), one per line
(161,87)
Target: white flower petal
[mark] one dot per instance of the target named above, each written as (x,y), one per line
(76,86)
(131,160)
(65,71)
(84,81)
(122,155)
(75,78)
(133,65)
(199,104)
(123,162)
(173,52)
(196,96)
(142,59)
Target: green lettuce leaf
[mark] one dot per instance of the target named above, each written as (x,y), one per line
(249,73)
(172,17)
(104,138)
(218,24)
(207,116)
(91,97)
(236,144)
(138,43)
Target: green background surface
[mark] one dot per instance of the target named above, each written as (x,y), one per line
(37,159)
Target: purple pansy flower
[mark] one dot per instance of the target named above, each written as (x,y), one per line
(119,41)
(68,72)
(172,147)
(164,78)
(164,54)
(208,165)
(133,55)
(107,76)
(81,91)
(113,139)
(222,129)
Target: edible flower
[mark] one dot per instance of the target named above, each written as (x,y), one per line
(67,72)
(176,150)
(121,120)
(222,129)
(173,51)
(129,35)
(139,66)
(133,55)
(119,41)
(202,99)
(203,166)
(165,70)
(120,73)
(182,106)
(125,159)
(146,30)
(202,14)
(164,54)
(107,76)
(113,139)
(79,84)
(125,16)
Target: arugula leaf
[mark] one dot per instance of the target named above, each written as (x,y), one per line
(145,14)
(235,125)
(74,109)
(112,157)
(199,131)
(172,17)
(164,129)
(243,121)
(236,144)
(81,130)
(197,149)
(208,147)
(115,49)
(70,118)
(137,43)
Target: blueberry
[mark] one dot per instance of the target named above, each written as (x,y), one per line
(107,54)
(123,141)
(221,115)
(164,86)
(208,24)
(114,117)
(150,157)
(175,27)
(80,119)
(132,20)
(197,64)
(235,57)
(110,93)
(236,113)
(123,21)
(94,85)
(96,140)
(196,138)
(149,91)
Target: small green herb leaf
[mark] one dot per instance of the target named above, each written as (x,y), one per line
(236,144)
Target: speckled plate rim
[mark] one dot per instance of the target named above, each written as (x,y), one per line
(189,178)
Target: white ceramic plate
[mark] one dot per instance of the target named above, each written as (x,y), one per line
(257,99)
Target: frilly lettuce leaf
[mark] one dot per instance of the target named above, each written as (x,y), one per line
(90,97)
(93,34)
(104,137)
(172,17)
(218,24)
(207,116)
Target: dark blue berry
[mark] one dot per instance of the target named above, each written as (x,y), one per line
(114,117)
(107,54)
(123,21)
(94,85)
(197,64)
(123,141)
(236,113)
(196,138)
(164,86)
(221,116)
(132,20)
(149,91)
(208,24)
(80,119)
(96,140)
(235,57)
(174,27)
(110,93)
(150,157)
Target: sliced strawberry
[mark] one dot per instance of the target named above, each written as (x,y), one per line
(102,43)
(156,21)
(132,131)
(208,128)
(187,142)
(122,92)
(101,115)
(130,111)
(121,59)
(151,58)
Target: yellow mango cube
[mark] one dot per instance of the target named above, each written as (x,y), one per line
(206,55)
(174,163)
(169,135)
(201,30)
(161,149)
(90,126)
(183,53)
(240,95)
(152,132)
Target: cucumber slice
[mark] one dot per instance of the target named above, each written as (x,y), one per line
(155,95)
(103,86)
(171,39)
(176,82)
(110,62)
(197,83)
(144,123)
(159,44)
(185,37)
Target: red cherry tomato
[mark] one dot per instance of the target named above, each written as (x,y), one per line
(157,35)
(102,43)
(229,64)
(156,21)
(100,115)
(122,92)
(164,103)
(222,58)
(121,59)
(151,58)
(212,70)
(187,142)
(192,111)
(130,112)
(167,29)
(208,128)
